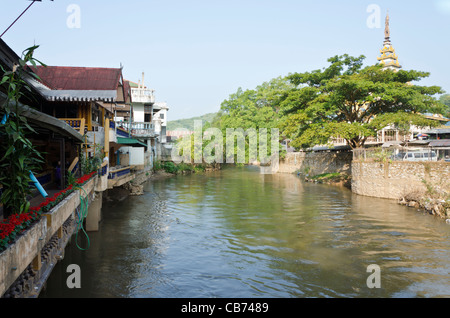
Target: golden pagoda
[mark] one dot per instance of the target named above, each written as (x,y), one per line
(388,58)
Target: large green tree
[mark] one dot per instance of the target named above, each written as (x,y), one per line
(254,108)
(353,102)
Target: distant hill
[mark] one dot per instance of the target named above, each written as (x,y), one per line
(189,122)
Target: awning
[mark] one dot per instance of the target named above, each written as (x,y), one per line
(41,121)
(130,142)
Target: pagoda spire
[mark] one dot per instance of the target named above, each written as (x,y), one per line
(387,30)
(388,58)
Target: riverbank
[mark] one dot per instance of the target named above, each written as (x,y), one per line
(434,201)
(336,179)
(160,171)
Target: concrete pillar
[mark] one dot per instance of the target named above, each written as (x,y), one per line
(94,213)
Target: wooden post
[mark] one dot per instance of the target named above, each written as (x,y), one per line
(37,263)
(85,147)
(107,138)
(60,232)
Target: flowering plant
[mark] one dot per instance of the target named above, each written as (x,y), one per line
(53,201)
(17,223)
(14,225)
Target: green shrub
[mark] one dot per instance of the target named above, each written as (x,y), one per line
(170,167)
(157,166)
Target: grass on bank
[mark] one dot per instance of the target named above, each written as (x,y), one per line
(330,178)
(180,168)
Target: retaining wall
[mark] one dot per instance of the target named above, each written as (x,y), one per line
(27,250)
(315,163)
(392,180)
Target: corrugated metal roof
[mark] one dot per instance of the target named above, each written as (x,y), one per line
(78,78)
(439,131)
(440,143)
(79,95)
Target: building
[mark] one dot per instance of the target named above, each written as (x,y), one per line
(98,102)
(142,127)
(56,140)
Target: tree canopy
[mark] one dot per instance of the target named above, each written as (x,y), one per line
(254,108)
(348,101)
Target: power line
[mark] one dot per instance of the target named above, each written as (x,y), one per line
(33,1)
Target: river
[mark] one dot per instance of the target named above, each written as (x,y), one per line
(238,233)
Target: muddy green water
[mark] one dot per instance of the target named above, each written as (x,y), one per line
(238,233)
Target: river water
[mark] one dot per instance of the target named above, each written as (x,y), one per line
(238,233)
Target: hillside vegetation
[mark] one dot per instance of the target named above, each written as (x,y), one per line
(189,122)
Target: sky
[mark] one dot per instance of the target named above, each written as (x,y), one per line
(195,53)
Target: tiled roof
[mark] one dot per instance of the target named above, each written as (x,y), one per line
(79,78)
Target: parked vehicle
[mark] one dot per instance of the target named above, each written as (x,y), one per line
(399,156)
(421,155)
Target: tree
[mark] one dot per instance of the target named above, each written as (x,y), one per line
(348,101)
(253,109)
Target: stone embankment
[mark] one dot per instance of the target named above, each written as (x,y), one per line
(316,163)
(421,185)
(336,179)
(433,205)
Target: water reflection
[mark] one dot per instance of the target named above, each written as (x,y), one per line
(238,233)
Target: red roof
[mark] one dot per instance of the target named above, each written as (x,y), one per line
(79,78)
(127,90)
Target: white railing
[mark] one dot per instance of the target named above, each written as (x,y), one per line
(142,95)
(142,129)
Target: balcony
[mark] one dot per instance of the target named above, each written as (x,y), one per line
(120,127)
(142,129)
(76,123)
(138,129)
(142,95)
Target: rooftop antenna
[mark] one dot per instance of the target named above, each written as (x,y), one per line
(32,2)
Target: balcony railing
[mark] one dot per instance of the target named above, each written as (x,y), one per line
(142,129)
(138,129)
(142,95)
(75,123)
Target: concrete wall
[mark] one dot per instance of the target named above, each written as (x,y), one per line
(27,249)
(315,163)
(395,179)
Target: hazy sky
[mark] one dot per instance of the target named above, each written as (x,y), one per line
(196,53)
